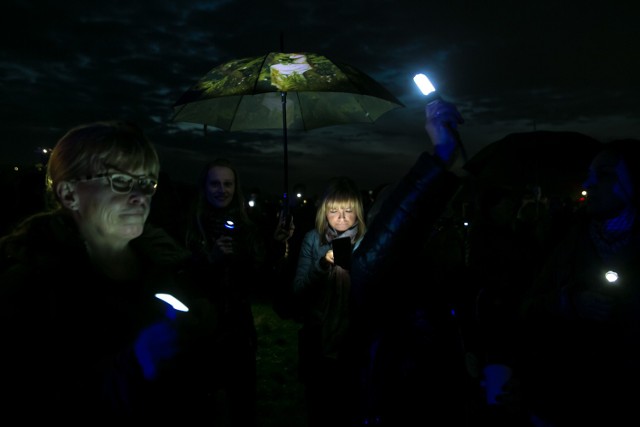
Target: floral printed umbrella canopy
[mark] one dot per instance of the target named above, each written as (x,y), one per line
(251,93)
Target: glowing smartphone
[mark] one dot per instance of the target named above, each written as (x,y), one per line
(172,301)
(424,84)
(342,249)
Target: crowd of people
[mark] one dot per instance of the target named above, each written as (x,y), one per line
(407,316)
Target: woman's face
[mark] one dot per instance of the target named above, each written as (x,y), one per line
(220,186)
(106,214)
(341,218)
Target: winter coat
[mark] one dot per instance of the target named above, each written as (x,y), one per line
(403,348)
(68,330)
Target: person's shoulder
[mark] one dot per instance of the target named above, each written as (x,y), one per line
(157,245)
(34,247)
(312,236)
(39,232)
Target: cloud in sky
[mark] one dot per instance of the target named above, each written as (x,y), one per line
(510,67)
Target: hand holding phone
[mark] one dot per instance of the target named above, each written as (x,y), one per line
(441,114)
(424,84)
(342,252)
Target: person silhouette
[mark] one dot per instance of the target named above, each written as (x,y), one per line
(582,314)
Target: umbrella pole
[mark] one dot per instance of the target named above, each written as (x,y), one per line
(285,195)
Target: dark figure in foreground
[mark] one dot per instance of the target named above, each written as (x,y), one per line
(583,311)
(505,251)
(406,348)
(84,337)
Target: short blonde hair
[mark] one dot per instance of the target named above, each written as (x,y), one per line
(341,192)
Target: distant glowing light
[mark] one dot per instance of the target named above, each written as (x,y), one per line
(611,276)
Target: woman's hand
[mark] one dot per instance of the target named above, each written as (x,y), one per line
(327,260)
(443,119)
(225,244)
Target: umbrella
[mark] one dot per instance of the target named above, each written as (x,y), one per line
(251,93)
(555,161)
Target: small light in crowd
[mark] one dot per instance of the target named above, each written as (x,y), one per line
(466,223)
(298,195)
(611,276)
(252,203)
(584,193)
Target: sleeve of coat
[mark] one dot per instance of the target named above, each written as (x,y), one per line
(411,209)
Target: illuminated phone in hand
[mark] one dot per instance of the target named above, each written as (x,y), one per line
(172,301)
(424,84)
(342,252)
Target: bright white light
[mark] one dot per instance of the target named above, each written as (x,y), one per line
(424,84)
(172,301)
(252,203)
(611,276)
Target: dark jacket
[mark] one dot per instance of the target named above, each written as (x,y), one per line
(568,353)
(410,211)
(398,349)
(68,330)
(230,280)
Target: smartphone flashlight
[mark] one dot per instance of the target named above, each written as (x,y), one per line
(228,227)
(611,277)
(173,302)
(424,84)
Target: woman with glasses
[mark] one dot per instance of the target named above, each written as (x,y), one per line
(84,336)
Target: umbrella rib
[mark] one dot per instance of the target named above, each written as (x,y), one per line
(257,80)
(300,107)
(235,111)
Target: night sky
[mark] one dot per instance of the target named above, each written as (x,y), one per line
(511,67)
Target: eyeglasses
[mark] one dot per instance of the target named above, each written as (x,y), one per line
(123,183)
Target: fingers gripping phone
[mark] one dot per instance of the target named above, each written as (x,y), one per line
(342,252)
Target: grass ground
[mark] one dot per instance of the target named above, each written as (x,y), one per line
(280,393)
